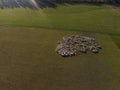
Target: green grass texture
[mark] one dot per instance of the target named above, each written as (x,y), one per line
(86,18)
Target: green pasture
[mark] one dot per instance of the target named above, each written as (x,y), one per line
(28,61)
(28,39)
(103,19)
(90,18)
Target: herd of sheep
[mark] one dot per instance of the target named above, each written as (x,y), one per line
(74,45)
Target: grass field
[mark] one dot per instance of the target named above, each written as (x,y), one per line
(28,60)
(90,18)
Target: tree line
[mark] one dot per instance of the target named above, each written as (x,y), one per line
(115,2)
(80,1)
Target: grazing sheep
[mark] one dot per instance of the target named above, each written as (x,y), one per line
(71,46)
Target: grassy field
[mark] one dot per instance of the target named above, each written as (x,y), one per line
(90,18)
(28,61)
(28,39)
